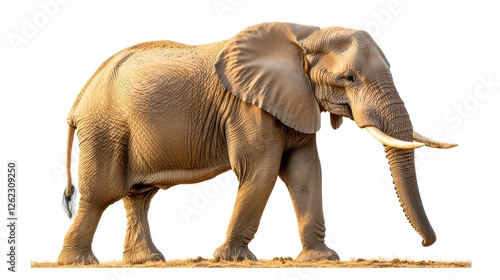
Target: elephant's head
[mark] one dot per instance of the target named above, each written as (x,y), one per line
(294,72)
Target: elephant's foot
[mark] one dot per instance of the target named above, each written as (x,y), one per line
(231,252)
(142,255)
(74,256)
(318,253)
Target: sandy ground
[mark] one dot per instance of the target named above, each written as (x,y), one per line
(275,263)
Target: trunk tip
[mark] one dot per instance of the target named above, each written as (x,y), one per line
(428,241)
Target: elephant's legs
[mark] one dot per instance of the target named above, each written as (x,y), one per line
(253,193)
(102,182)
(301,172)
(77,248)
(139,247)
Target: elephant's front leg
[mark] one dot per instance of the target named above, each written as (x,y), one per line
(256,184)
(139,247)
(301,172)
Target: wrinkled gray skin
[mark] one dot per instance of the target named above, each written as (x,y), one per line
(162,113)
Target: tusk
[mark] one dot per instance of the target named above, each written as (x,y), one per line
(390,141)
(432,143)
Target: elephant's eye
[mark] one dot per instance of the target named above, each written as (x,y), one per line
(347,79)
(350,77)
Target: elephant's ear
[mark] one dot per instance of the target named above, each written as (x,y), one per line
(264,65)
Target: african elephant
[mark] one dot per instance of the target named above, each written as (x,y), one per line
(162,113)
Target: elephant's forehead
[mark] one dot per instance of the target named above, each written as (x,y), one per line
(353,37)
(347,43)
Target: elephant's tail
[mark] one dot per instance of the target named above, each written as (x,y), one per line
(69,193)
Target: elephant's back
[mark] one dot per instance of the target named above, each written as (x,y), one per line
(136,73)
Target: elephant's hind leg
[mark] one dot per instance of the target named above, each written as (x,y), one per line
(77,248)
(139,247)
(101,183)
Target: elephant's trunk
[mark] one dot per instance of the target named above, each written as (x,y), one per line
(396,122)
(405,182)
(390,116)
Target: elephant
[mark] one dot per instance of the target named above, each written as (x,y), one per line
(162,113)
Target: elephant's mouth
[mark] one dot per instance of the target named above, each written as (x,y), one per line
(343,110)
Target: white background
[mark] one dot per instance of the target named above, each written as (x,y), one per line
(445,63)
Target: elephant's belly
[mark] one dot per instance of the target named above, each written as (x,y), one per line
(175,153)
(170,177)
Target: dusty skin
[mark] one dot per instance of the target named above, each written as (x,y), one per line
(278,262)
(163,113)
